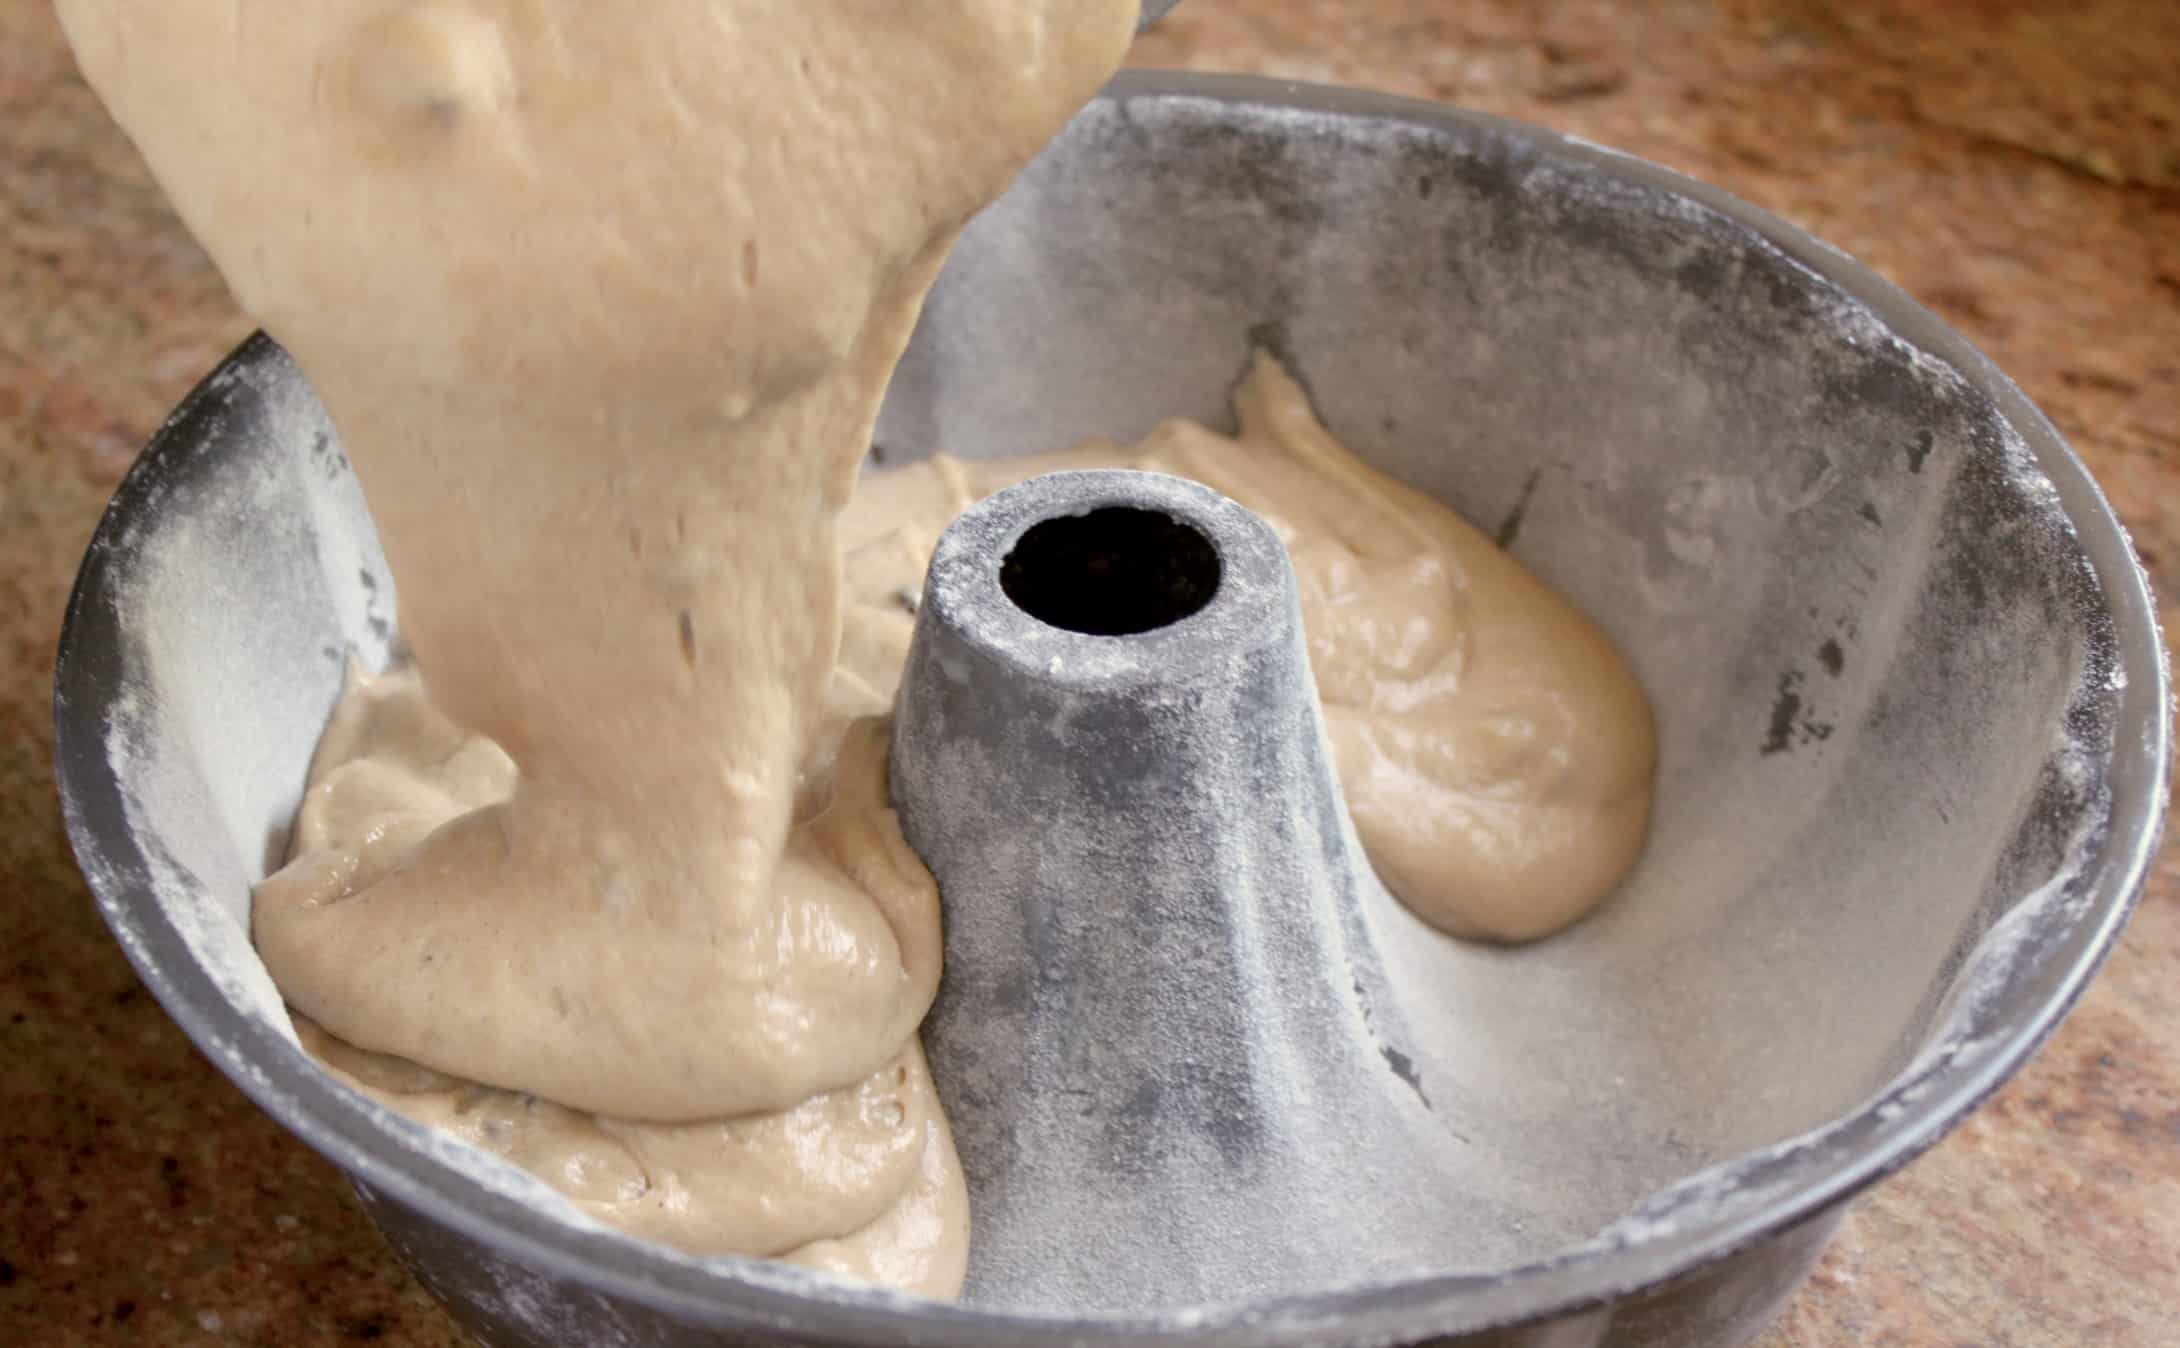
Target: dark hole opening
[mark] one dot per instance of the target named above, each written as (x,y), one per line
(1113,572)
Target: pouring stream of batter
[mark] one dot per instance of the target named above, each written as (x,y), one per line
(603,302)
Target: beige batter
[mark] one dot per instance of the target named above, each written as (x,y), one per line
(603,299)
(1496,755)
(1495,752)
(860,1180)
(603,303)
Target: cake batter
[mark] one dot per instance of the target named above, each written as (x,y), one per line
(603,299)
(603,305)
(1494,751)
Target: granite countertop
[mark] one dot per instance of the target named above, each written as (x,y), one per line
(2013,163)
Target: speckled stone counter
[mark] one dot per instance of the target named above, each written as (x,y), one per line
(2014,164)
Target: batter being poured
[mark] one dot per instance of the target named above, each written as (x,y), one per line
(603,303)
(603,299)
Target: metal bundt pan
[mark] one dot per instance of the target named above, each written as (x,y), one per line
(1910,692)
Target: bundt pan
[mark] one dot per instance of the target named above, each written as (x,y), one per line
(1909,691)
